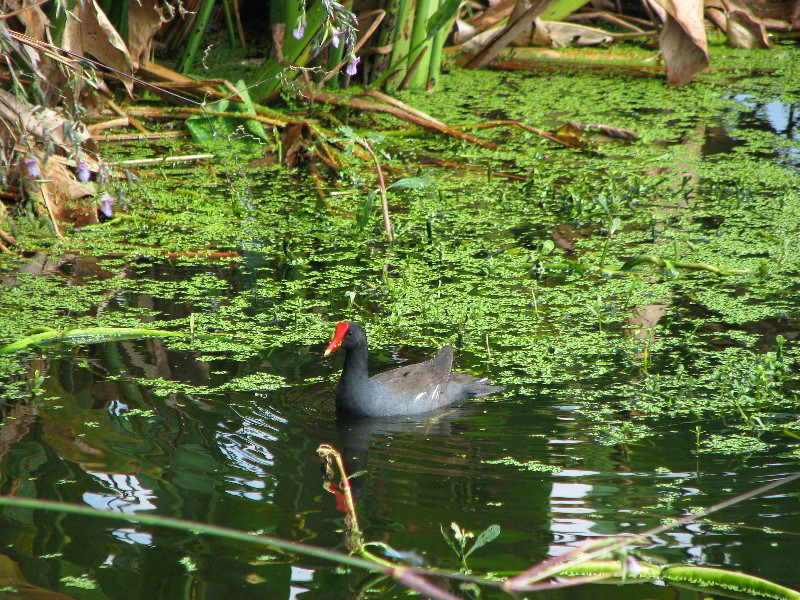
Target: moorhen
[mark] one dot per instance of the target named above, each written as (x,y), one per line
(405,390)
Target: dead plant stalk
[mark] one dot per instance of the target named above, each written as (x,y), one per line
(387,223)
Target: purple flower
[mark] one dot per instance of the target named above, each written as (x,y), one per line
(83,171)
(335,37)
(300,29)
(105,203)
(352,67)
(32,168)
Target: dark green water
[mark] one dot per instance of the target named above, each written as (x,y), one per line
(599,431)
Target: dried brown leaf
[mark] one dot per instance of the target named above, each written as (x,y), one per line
(745,30)
(66,193)
(575,133)
(145,18)
(296,140)
(34,19)
(657,9)
(92,33)
(41,122)
(683,40)
(558,34)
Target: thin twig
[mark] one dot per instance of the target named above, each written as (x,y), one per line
(50,211)
(164,159)
(25,39)
(653,18)
(125,137)
(177,113)
(611,18)
(387,223)
(540,132)
(239,28)
(361,104)
(312,169)
(402,105)
(323,152)
(169,79)
(632,19)
(119,122)
(133,121)
(624,36)
(498,44)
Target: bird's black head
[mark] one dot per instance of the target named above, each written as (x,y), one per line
(347,335)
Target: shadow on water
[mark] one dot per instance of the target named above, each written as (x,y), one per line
(769,116)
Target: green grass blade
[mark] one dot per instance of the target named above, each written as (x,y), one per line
(91,335)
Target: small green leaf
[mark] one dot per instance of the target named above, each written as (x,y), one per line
(410,183)
(547,247)
(486,536)
(204,128)
(448,540)
(366,209)
(615,225)
(347,133)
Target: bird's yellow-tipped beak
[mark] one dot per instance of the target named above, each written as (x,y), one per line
(338,336)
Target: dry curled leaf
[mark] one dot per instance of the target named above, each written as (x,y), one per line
(66,193)
(91,33)
(145,18)
(33,18)
(745,30)
(44,123)
(296,141)
(683,40)
(581,135)
(607,130)
(563,35)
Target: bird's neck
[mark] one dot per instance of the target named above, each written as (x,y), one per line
(355,365)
